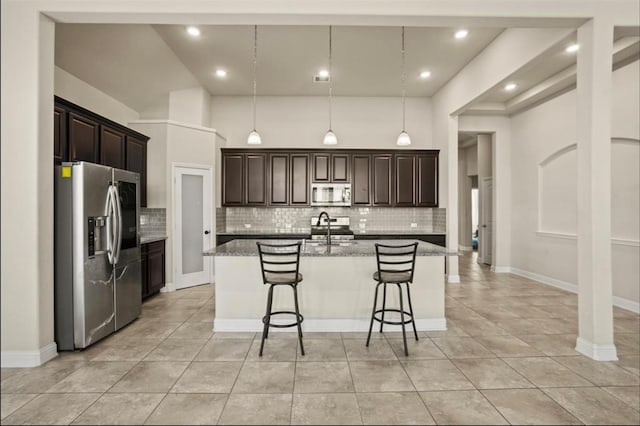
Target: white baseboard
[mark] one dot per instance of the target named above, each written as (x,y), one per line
(22,359)
(321,325)
(454,279)
(168,287)
(596,352)
(500,269)
(620,302)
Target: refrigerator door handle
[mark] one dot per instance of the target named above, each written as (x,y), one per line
(109,212)
(118,207)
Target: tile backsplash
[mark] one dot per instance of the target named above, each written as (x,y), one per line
(363,219)
(153,221)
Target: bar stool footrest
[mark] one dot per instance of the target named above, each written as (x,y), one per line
(379,311)
(300,318)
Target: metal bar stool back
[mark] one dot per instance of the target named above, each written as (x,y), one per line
(396,265)
(280,265)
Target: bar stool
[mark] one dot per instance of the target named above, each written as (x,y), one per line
(280,264)
(396,264)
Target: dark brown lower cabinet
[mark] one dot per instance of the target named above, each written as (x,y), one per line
(153,262)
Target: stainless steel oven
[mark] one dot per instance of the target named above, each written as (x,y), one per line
(331,194)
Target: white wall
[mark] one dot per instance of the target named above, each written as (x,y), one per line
(545,135)
(73,89)
(302,121)
(191,106)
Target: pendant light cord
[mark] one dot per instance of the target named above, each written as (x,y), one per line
(403,79)
(330,76)
(255,67)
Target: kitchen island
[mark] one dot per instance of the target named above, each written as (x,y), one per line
(336,293)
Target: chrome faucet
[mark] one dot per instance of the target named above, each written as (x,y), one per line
(328,225)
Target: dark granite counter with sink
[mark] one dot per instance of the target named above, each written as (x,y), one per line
(352,248)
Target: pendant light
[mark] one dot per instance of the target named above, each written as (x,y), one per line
(330,137)
(254,136)
(403,138)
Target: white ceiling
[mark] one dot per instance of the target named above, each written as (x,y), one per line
(140,64)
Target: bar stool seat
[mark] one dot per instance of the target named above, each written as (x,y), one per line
(396,264)
(280,264)
(291,278)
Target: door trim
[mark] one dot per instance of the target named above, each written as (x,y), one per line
(176,233)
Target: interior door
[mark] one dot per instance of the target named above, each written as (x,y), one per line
(486,222)
(192,225)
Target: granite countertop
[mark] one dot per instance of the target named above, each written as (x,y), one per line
(146,239)
(355,231)
(351,248)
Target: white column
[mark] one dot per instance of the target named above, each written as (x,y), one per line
(595,309)
(27,186)
(453,276)
(501,209)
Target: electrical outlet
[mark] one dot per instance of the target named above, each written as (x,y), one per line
(414,225)
(247,225)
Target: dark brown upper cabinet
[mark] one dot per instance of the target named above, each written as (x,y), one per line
(279,179)
(233,179)
(382,179)
(59,135)
(84,139)
(299,179)
(427,180)
(330,167)
(321,168)
(256,178)
(340,167)
(405,193)
(112,147)
(361,182)
(136,161)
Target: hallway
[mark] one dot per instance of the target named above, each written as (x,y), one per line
(507,357)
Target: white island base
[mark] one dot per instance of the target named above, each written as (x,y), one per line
(336,294)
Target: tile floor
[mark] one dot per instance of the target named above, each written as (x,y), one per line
(507,357)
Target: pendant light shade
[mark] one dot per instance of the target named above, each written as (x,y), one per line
(254,136)
(330,137)
(403,138)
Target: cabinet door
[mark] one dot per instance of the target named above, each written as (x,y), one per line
(321,167)
(112,147)
(155,267)
(405,180)
(360,185)
(339,167)
(256,178)
(279,179)
(83,138)
(232,179)
(59,135)
(136,161)
(427,180)
(382,179)
(299,179)
(145,268)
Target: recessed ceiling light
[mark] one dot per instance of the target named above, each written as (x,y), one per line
(323,73)
(572,48)
(510,86)
(193,31)
(461,34)
(221,73)
(425,74)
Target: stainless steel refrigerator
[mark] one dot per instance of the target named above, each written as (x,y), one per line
(98,275)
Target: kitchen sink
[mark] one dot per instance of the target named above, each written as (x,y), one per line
(334,243)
